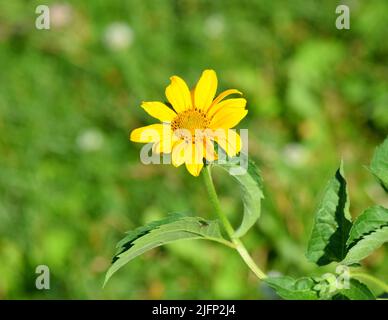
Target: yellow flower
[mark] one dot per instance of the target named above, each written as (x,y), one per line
(188,131)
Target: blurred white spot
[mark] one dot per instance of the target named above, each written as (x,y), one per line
(61,14)
(118,36)
(274,273)
(90,140)
(214,26)
(295,154)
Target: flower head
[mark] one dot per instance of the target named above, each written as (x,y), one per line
(196,121)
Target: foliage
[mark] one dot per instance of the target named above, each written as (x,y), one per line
(334,238)
(379,164)
(251,191)
(173,228)
(332,223)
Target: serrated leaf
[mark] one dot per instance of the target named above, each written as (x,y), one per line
(332,223)
(173,228)
(356,291)
(370,220)
(293,289)
(369,232)
(379,164)
(307,288)
(251,186)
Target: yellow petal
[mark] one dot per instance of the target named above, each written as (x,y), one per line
(164,145)
(192,94)
(205,90)
(178,94)
(228,140)
(194,155)
(166,142)
(159,111)
(151,133)
(229,103)
(194,152)
(209,153)
(178,153)
(194,169)
(227,117)
(224,94)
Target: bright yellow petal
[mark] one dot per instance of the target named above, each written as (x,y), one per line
(224,94)
(205,90)
(164,145)
(178,153)
(178,94)
(159,111)
(192,94)
(209,153)
(151,133)
(194,169)
(166,142)
(228,140)
(227,118)
(229,103)
(194,154)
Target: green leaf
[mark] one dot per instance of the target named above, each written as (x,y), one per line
(309,289)
(332,223)
(379,164)
(370,220)
(251,186)
(369,232)
(293,289)
(356,291)
(173,228)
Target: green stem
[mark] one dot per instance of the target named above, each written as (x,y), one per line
(215,202)
(367,277)
(239,246)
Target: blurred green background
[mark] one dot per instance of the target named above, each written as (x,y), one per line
(71,183)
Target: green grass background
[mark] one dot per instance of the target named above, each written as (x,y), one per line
(71,183)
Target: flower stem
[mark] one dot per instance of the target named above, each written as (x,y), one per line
(215,202)
(239,246)
(367,277)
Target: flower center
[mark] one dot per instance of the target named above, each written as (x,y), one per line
(187,122)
